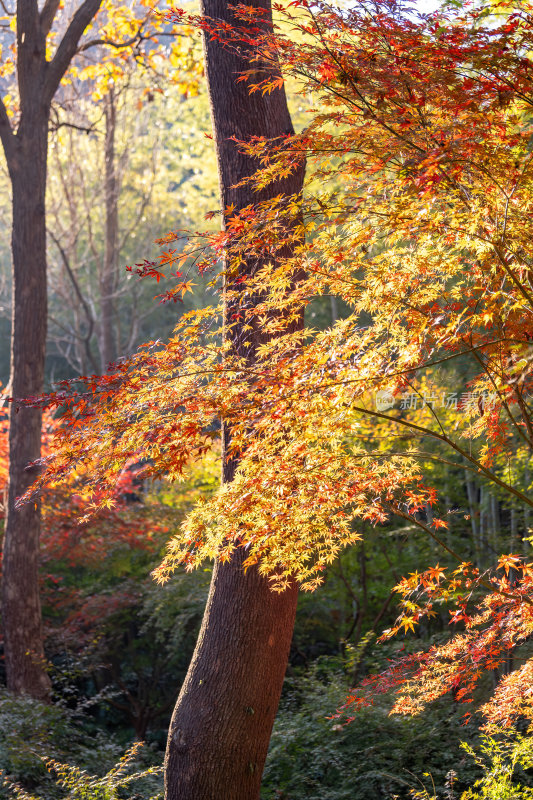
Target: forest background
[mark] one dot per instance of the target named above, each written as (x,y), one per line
(118,644)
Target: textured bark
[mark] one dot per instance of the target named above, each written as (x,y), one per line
(26,156)
(21,612)
(221,726)
(223,719)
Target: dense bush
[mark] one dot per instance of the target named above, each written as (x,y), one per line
(31,732)
(376,757)
(127,778)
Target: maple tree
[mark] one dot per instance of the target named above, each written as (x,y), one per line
(417,215)
(220,729)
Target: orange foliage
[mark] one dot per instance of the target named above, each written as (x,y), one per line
(65,542)
(418,214)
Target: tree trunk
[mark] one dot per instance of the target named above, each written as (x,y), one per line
(527,532)
(108,272)
(21,611)
(222,722)
(223,719)
(473,508)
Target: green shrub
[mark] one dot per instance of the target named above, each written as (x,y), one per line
(31,731)
(77,784)
(504,761)
(376,757)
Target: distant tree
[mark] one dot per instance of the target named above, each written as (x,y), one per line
(45,46)
(141,145)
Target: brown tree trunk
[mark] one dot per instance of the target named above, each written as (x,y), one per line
(26,156)
(221,726)
(21,611)
(108,272)
(222,722)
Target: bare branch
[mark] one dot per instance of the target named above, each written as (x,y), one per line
(68,46)
(5,9)
(137,37)
(82,128)
(57,124)
(110,43)
(90,319)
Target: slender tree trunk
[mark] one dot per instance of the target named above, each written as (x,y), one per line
(21,611)
(495,522)
(474,519)
(513,541)
(450,520)
(526,508)
(483,526)
(108,272)
(221,726)
(334,309)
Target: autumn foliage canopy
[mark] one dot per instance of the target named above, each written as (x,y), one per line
(417,215)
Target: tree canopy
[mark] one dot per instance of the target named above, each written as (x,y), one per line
(417,215)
